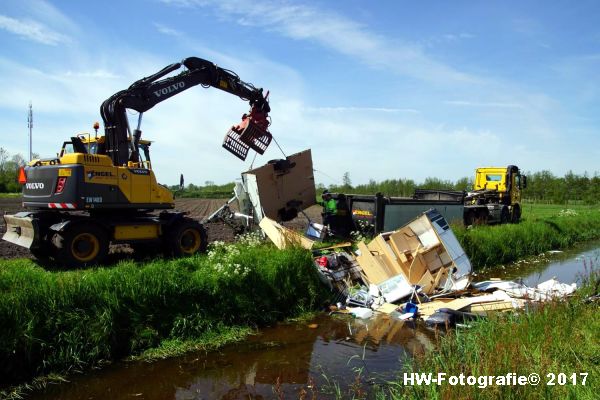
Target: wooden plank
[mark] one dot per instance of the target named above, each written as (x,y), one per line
(387,308)
(427,309)
(404,240)
(370,266)
(426,282)
(412,268)
(438,277)
(417,269)
(337,246)
(431,258)
(500,305)
(283,237)
(380,245)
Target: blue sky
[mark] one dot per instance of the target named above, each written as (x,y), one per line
(387,89)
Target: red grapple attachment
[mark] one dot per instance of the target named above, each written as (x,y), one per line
(251,133)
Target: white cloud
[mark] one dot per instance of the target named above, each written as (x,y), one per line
(361,109)
(457,36)
(336,32)
(98,73)
(53,90)
(165,30)
(32,30)
(483,104)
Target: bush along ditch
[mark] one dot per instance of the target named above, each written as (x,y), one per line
(500,244)
(70,320)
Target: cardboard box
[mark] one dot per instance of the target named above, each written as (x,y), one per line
(277,187)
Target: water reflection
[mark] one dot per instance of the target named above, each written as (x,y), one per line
(568,267)
(286,359)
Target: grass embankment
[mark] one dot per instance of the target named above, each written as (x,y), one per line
(62,321)
(556,338)
(542,229)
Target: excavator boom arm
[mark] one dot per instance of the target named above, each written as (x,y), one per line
(147,92)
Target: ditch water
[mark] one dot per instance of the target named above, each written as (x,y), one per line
(326,354)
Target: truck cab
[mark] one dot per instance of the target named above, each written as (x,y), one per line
(496,195)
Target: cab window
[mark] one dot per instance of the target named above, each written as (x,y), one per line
(144,155)
(493,178)
(67,148)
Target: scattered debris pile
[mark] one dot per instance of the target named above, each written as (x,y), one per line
(421,271)
(424,253)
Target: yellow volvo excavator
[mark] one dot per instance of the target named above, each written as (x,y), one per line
(102,189)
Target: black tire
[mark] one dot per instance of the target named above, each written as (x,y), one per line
(185,238)
(516,214)
(504,215)
(81,245)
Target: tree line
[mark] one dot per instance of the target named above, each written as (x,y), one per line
(9,169)
(543,186)
(209,190)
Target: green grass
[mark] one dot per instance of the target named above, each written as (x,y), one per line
(558,337)
(208,341)
(9,195)
(64,321)
(543,228)
(533,211)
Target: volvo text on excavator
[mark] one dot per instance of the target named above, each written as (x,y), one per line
(102,189)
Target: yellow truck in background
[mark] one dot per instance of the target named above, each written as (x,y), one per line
(496,196)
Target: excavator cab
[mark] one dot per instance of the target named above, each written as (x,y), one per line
(84,143)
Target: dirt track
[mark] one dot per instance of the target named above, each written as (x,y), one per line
(197,208)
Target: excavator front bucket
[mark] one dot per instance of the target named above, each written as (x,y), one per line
(19,230)
(238,142)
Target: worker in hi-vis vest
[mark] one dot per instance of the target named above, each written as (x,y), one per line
(330,210)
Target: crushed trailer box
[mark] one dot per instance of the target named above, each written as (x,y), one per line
(424,252)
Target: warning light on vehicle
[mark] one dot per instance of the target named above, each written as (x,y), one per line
(22,176)
(60,185)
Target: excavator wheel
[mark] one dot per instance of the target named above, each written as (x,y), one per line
(44,254)
(187,237)
(81,245)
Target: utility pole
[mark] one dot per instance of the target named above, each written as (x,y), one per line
(30,126)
